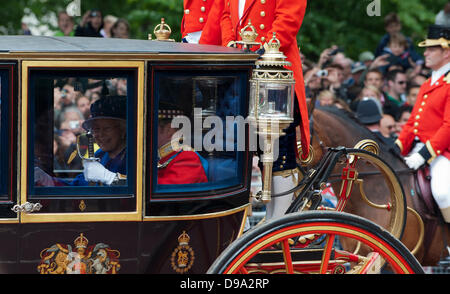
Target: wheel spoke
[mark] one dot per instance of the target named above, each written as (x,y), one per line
(287,256)
(327,253)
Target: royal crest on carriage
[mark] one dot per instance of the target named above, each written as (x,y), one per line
(81,259)
(183,257)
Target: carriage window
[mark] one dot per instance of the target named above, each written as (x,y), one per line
(80,126)
(4,156)
(200,131)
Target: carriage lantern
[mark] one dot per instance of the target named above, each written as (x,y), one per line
(271,104)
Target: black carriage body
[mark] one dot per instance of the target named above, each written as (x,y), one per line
(141,226)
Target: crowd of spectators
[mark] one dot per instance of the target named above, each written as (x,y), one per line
(72,101)
(92,24)
(379,88)
(389,76)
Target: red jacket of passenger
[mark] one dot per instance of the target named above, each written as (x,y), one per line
(430,119)
(180,167)
(267,16)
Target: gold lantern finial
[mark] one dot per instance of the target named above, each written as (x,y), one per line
(162,31)
(272,55)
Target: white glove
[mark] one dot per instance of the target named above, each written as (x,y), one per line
(94,171)
(42,178)
(414,161)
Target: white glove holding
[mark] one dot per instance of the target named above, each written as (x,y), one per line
(42,178)
(414,161)
(94,171)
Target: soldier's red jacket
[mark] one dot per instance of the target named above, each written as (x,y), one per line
(430,120)
(195,15)
(267,16)
(181,167)
(211,34)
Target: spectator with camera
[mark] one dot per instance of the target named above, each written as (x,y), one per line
(91,24)
(313,81)
(334,81)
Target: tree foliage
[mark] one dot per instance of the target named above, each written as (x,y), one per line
(341,22)
(347,24)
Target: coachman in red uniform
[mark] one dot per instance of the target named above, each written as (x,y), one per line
(425,138)
(195,17)
(284,17)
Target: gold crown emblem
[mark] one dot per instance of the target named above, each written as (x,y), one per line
(272,55)
(81,241)
(184,238)
(162,31)
(248,33)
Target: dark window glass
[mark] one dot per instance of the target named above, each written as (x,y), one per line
(4,130)
(200,130)
(79,132)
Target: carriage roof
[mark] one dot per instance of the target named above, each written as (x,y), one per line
(24,45)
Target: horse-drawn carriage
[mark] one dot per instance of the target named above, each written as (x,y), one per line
(51,224)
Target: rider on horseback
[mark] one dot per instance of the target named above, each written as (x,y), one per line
(425,138)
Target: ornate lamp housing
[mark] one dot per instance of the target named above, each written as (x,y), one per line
(271,104)
(272,88)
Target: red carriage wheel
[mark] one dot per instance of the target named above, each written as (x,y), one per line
(267,248)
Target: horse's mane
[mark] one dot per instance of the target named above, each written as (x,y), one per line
(350,119)
(348,116)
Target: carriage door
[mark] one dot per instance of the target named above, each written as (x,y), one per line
(74,112)
(8,134)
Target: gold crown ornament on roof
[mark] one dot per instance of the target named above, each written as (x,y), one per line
(248,36)
(81,241)
(162,31)
(248,33)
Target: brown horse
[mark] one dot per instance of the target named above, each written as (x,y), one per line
(332,127)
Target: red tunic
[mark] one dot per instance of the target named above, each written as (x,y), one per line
(267,16)
(211,34)
(195,15)
(430,119)
(184,167)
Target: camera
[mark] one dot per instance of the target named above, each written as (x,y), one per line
(334,52)
(392,59)
(74,124)
(63,93)
(322,73)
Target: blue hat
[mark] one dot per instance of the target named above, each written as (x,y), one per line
(108,107)
(368,112)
